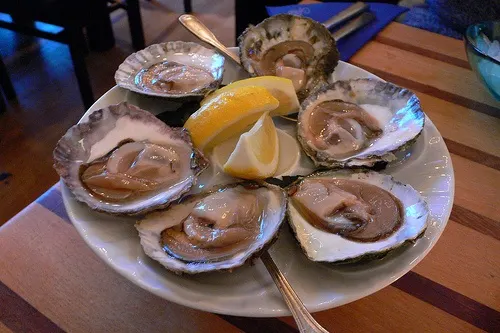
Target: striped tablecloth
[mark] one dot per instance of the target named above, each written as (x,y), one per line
(50,281)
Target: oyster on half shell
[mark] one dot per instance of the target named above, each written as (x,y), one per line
(358,123)
(124,160)
(290,46)
(217,230)
(175,70)
(348,216)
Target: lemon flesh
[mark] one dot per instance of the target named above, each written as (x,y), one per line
(228,114)
(281,88)
(289,153)
(256,155)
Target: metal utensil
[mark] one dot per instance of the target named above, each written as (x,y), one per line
(304,320)
(201,31)
(353,25)
(345,15)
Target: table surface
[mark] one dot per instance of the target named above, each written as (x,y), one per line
(51,281)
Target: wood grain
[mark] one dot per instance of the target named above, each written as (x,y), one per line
(450,301)
(4,329)
(427,75)
(15,311)
(463,125)
(389,310)
(473,154)
(84,295)
(258,325)
(477,187)
(480,223)
(445,264)
(424,42)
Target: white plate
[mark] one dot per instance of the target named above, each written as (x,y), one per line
(249,291)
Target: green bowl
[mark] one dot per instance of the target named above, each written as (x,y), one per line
(486,67)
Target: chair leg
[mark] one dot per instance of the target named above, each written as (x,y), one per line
(100,31)
(3,106)
(6,83)
(187,6)
(135,24)
(77,50)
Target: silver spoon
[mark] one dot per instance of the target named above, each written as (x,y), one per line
(305,321)
(201,31)
(303,318)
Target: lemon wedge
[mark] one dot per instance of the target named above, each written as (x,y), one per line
(228,114)
(281,88)
(289,153)
(256,154)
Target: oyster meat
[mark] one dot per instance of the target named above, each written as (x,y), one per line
(216,230)
(173,70)
(173,78)
(347,216)
(294,47)
(124,160)
(360,122)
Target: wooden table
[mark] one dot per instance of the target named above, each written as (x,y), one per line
(51,281)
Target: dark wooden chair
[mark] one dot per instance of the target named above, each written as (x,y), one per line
(73,17)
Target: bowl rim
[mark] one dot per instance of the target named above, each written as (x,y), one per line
(470,42)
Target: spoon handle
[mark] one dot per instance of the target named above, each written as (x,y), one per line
(305,322)
(198,29)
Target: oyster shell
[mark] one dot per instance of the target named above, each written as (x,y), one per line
(360,122)
(124,160)
(348,215)
(216,230)
(290,46)
(173,70)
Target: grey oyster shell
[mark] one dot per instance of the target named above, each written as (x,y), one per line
(186,53)
(100,134)
(406,123)
(321,246)
(255,41)
(151,226)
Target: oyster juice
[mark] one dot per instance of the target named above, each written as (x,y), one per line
(215,230)
(218,226)
(174,70)
(342,128)
(352,209)
(124,160)
(358,123)
(135,168)
(350,215)
(173,77)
